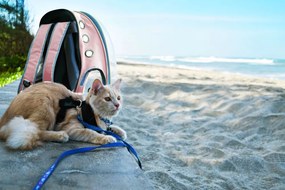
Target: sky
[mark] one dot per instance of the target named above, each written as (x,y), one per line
(220,28)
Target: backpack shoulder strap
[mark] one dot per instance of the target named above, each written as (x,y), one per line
(34,56)
(57,37)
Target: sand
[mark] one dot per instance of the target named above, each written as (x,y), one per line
(196,129)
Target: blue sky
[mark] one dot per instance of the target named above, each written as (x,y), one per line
(221,28)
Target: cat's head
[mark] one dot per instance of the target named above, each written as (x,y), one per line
(106,101)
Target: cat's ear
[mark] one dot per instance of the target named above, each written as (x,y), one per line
(96,86)
(117,84)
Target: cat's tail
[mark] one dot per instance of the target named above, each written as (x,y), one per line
(20,133)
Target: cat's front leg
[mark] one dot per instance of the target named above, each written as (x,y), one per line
(77,132)
(118,130)
(87,135)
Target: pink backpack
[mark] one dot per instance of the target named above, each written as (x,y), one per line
(68,48)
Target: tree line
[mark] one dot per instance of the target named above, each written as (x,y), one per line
(15,36)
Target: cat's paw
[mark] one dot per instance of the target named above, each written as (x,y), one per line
(123,134)
(108,139)
(63,136)
(119,131)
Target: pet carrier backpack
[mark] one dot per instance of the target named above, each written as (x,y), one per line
(69,48)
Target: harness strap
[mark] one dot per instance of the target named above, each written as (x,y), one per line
(34,56)
(57,37)
(68,103)
(88,114)
(65,104)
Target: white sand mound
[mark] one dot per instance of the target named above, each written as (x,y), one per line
(205,130)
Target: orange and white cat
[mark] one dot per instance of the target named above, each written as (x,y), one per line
(31,117)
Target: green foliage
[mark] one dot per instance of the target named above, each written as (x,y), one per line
(12,64)
(8,77)
(15,39)
(14,42)
(11,69)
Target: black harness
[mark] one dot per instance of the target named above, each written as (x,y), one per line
(69,103)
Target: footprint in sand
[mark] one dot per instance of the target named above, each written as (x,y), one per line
(164,180)
(227,166)
(275,157)
(248,164)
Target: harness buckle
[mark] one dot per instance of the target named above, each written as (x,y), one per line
(80,104)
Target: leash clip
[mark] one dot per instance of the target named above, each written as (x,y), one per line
(80,104)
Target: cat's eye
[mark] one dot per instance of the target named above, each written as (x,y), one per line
(107,99)
(119,98)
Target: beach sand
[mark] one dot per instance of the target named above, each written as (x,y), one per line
(196,129)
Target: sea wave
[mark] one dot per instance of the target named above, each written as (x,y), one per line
(170,58)
(228,60)
(163,58)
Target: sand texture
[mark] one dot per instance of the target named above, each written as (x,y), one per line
(205,130)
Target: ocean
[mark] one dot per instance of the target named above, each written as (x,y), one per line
(257,67)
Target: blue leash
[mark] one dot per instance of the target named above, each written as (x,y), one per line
(120,143)
(127,145)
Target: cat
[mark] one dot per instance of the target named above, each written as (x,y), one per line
(31,117)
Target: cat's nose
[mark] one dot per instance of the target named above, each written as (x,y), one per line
(117,106)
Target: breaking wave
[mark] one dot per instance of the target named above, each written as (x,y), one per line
(257,61)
